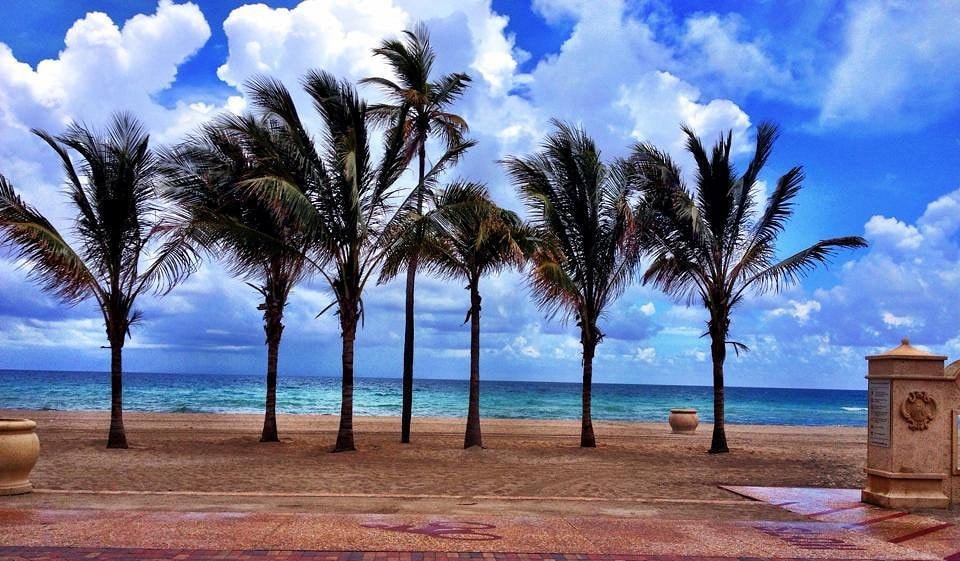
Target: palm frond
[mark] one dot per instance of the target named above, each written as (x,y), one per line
(798,265)
(52,263)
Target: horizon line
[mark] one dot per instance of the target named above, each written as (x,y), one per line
(336,377)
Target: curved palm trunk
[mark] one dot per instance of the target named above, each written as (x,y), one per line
(406,410)
(587,439)
(274,330)
(345,433)
(117,437)
(472,436)
(718,350)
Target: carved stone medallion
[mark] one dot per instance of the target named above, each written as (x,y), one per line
(918,410)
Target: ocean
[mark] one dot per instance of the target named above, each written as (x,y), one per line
(222,393)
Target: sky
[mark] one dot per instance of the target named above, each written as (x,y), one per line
(866,93)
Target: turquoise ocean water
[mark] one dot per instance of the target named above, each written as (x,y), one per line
(438,398)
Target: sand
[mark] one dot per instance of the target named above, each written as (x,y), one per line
(215,461)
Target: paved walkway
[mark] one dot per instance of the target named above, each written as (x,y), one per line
(843,506)
(833,525)
(67,554)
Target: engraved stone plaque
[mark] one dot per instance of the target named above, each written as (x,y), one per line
(878,413)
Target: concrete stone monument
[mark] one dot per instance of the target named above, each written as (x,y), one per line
(913,417)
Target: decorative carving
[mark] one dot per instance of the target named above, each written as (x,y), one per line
(918,409)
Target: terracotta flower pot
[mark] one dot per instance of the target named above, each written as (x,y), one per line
(19,450)
(684,421)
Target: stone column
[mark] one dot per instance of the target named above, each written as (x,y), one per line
(910,429)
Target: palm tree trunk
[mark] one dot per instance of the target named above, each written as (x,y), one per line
(118,436)
(473,436)
(587,438)
(274,329)
(406,409)
(345,433)
(718,348)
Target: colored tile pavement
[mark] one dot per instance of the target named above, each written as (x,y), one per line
(843,506)
(96,534)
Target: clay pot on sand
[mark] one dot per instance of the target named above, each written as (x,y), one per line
(684,421)
(19,450)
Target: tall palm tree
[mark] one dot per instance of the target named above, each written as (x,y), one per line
(424,102)
(580,209)
(713,246)
(119,217)
(343,199)
(206,174)
(466,236)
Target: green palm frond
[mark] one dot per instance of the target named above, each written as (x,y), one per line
(418,101)
(581,211)
(113,182)
(790,270)
(51,262)
(712,244)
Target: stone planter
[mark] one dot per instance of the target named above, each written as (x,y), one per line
(684,421)
(19,450)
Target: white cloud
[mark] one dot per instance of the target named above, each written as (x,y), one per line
(901,284)
(103,68)
(899,62)
(648,309)
(520,346)
(892,320)
(67,333)
(890,232)
(645,354)
(799,310)
(336,36)
(716,49)
(659,102)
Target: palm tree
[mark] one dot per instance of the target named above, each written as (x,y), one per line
(205,176)
(424,102)
(115,193)
(581,212)
(466,236)
(343,198)
(713,246)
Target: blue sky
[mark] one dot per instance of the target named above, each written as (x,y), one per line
(867,95)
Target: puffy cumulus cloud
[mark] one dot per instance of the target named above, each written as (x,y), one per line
(336,36)
(712,45)
(910,81)
(634,91)
(892,233)
(901,284)
(659,99)
(102,68)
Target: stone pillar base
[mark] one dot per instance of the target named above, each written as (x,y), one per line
(904,490)
(16,489)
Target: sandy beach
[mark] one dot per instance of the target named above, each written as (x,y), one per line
(524,459)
